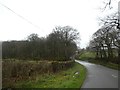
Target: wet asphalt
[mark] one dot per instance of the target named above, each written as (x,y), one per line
(99,76)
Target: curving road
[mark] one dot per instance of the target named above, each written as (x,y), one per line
(99,76)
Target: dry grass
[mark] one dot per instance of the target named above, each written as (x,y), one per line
(17,70)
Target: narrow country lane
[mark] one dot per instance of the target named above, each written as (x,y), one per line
(99,76)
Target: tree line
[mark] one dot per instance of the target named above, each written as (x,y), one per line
(58,45)
(106,40)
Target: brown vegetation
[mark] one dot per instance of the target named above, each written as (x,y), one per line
(14,71)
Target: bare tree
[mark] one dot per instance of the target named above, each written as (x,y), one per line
(112,21)
(106,40)
(107,4)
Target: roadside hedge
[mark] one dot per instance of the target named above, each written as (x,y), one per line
(16,70)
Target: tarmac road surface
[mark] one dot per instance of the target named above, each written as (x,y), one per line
(99,76)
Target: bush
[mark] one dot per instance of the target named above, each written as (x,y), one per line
(17,70)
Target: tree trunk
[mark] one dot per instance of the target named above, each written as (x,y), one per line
(119,55)
(101,53)
(110,53)
(97,52)
(104,52)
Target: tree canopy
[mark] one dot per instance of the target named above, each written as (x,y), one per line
(58,45)
(106,40)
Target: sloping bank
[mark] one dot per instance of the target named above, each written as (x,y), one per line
(42,74)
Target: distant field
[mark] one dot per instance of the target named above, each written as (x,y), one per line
(70,77)
(86,55)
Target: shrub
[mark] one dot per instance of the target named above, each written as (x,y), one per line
(17,70)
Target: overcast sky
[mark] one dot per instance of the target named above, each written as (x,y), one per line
(41,16)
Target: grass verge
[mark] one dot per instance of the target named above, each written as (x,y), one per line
(70,78)
(106,64)
(90,57)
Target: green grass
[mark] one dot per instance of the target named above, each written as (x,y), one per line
(90,57)
(87,55)
(107,64)
(63,79)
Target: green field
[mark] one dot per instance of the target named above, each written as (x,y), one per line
(90,57)
(71,78)
(87,55)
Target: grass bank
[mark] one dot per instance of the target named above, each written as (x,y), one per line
(90,57)
(70,78)
(106,64)
(87,55)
